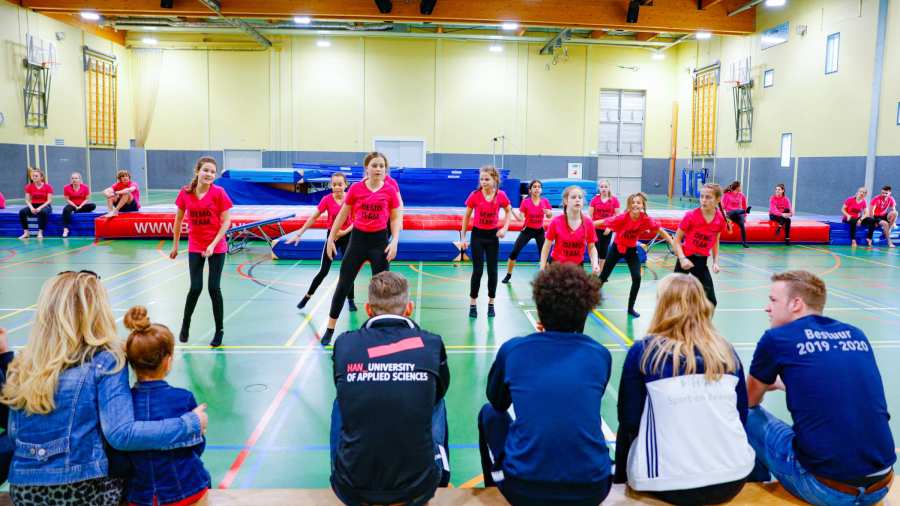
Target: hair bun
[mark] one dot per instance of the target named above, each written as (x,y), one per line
(136,319)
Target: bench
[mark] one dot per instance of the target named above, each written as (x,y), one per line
(238,235)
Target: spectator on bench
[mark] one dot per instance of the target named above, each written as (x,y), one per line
(553,451)
(77,195)
(840,449)
(389,421)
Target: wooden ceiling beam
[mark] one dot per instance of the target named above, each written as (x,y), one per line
(645,36)
(117,36)
(706,4)
(662,16)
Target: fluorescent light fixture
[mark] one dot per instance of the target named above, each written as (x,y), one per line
(703,35)
(151,28)
(149,41)
(90,16)
(323,43)
(302,20)
(659,55)
(775,3)
(509,25)
(496,48)
(772,40)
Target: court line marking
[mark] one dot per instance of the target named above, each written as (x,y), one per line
(627,341)
(418,316)
(309,316)
(63,252)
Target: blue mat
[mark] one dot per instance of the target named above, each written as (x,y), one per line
(840,234)
(82,223)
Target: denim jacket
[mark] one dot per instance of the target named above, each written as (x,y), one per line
(172,475)
(93,407)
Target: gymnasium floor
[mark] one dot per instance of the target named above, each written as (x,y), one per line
(270,389)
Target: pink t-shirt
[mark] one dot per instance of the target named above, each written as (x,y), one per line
(38,195)
(136,194)
(568,244)
(779,205)
(700,235)
(534,213)
(734,201)
(487,212)
(855,207)
(77,196)
(881,205)
(2,201)
(204,217)
(629,230)
(371,210)
(330,206)
(603,210)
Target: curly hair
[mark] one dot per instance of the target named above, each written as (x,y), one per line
(564,295)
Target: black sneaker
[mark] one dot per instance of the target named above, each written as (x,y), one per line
(473,311)
(634,314)
(351,305)
(302,303)
(745,245)
(778,230)
(787,242)
(326,337)
(491,312)
(217,339)
(749,208)
(505,279)
(183,335)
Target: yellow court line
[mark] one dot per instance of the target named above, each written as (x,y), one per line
(474,481)
(876,262)
(612,327)
(291,340)
(64,252)
(458,280)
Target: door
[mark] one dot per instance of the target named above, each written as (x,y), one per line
(621,144)
(402,152)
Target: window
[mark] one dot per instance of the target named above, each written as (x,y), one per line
(102,74)
(786,150)
(769,78)
(898,113)
(774,36)
(832,51)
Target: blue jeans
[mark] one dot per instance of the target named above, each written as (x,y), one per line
(441,449)
(773,441)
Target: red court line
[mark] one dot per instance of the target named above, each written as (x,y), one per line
(264,422)
(10,253)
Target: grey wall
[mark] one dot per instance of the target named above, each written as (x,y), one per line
(172,169)
(12,170)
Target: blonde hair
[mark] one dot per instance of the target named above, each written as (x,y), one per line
(73,322)
(39,171)
(681,326)
(388,293)
(608,187)
(491,171)
(805,285)
(715,188)
(568,191)
(640,195)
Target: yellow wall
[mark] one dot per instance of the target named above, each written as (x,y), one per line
(888,129)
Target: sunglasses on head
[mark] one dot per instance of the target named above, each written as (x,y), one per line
(83,271)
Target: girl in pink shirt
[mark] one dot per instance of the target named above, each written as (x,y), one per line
(604,205)
(532,211)
(571,233)
(77,195)
(698,237)
(855,210)
(628,228)
(485,203)
(122,196)
(2,201)
(780,212)
(38,196)
(375,206)
(330,204)
(208,210)
(734,203)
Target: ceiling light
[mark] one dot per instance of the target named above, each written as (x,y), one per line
(659,55)
(151,28)
(509,25)
(90,16)
(496,48)
(703,35)
(775,3)
(323,43)
(149,41)
(302,20)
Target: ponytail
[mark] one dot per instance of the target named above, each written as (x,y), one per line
(192,187)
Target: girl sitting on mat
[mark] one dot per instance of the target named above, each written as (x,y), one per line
(38,197)
(486,203)
(169,477)
(76,194)
(330,204)
(698,236)
(534,208)
(208,210)
(122,196)
(604,205)
(372,203)
(2,201)
(570,233)
(628,228)
(780,212)
(855,210)
(734,203)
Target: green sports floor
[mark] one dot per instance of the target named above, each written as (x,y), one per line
(270,389)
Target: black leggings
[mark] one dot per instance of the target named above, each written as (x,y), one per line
(42,216)
(363,246)
(701,272)
(711,494)
(853,222)
(195,264)
(871,223)
(602,243)
(634,266)
(784,222)
(739,216)
(69,209)
(485,244)
(325,264)
(526,235)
